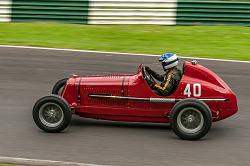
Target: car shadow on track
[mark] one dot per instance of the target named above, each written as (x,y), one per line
(219,131)
(78,121)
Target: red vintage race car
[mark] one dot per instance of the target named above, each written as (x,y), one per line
(200,98)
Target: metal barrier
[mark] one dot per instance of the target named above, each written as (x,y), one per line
(213,12)
(68,11)
(164,12)
(5,10)
(132,12)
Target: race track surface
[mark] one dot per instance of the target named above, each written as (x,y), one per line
(27,74)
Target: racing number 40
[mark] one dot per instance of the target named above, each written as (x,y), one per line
(196,90)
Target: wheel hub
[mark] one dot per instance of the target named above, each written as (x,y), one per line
(51,114)
(190,118)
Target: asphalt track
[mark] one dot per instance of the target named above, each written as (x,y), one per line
(27,74)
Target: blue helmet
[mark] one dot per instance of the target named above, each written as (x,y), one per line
(169,60)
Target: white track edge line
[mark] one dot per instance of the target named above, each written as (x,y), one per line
(118,53)
(38,162)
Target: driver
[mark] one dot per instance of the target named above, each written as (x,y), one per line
(170,79)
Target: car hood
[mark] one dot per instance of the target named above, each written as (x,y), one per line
(108,80)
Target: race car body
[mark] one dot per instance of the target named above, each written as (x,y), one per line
(128,97)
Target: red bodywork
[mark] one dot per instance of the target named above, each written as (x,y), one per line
(79,93)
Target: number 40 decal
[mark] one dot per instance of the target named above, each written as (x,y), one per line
(196,90)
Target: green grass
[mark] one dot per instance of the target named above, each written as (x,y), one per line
(7,165)
(229,42)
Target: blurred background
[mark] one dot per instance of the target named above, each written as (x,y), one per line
(204,28)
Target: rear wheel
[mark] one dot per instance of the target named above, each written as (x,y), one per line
(59,86)
(52,114)
(191,119)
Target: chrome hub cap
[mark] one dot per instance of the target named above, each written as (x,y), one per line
(190,120)
(51,114)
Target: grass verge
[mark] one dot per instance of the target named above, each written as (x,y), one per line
(227,42)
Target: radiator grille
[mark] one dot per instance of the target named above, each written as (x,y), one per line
(104,101)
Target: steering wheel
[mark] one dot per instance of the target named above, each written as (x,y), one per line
(150,80)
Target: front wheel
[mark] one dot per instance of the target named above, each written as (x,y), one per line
(59,86)
(52,114)
(191,119)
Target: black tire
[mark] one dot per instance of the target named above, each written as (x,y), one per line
(196,113)
(59,106)
(58,87)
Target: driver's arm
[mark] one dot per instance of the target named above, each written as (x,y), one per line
(154,74)
(164,88)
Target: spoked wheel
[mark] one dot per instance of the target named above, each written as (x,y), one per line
(52,114)
(191,119)
(59,86)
